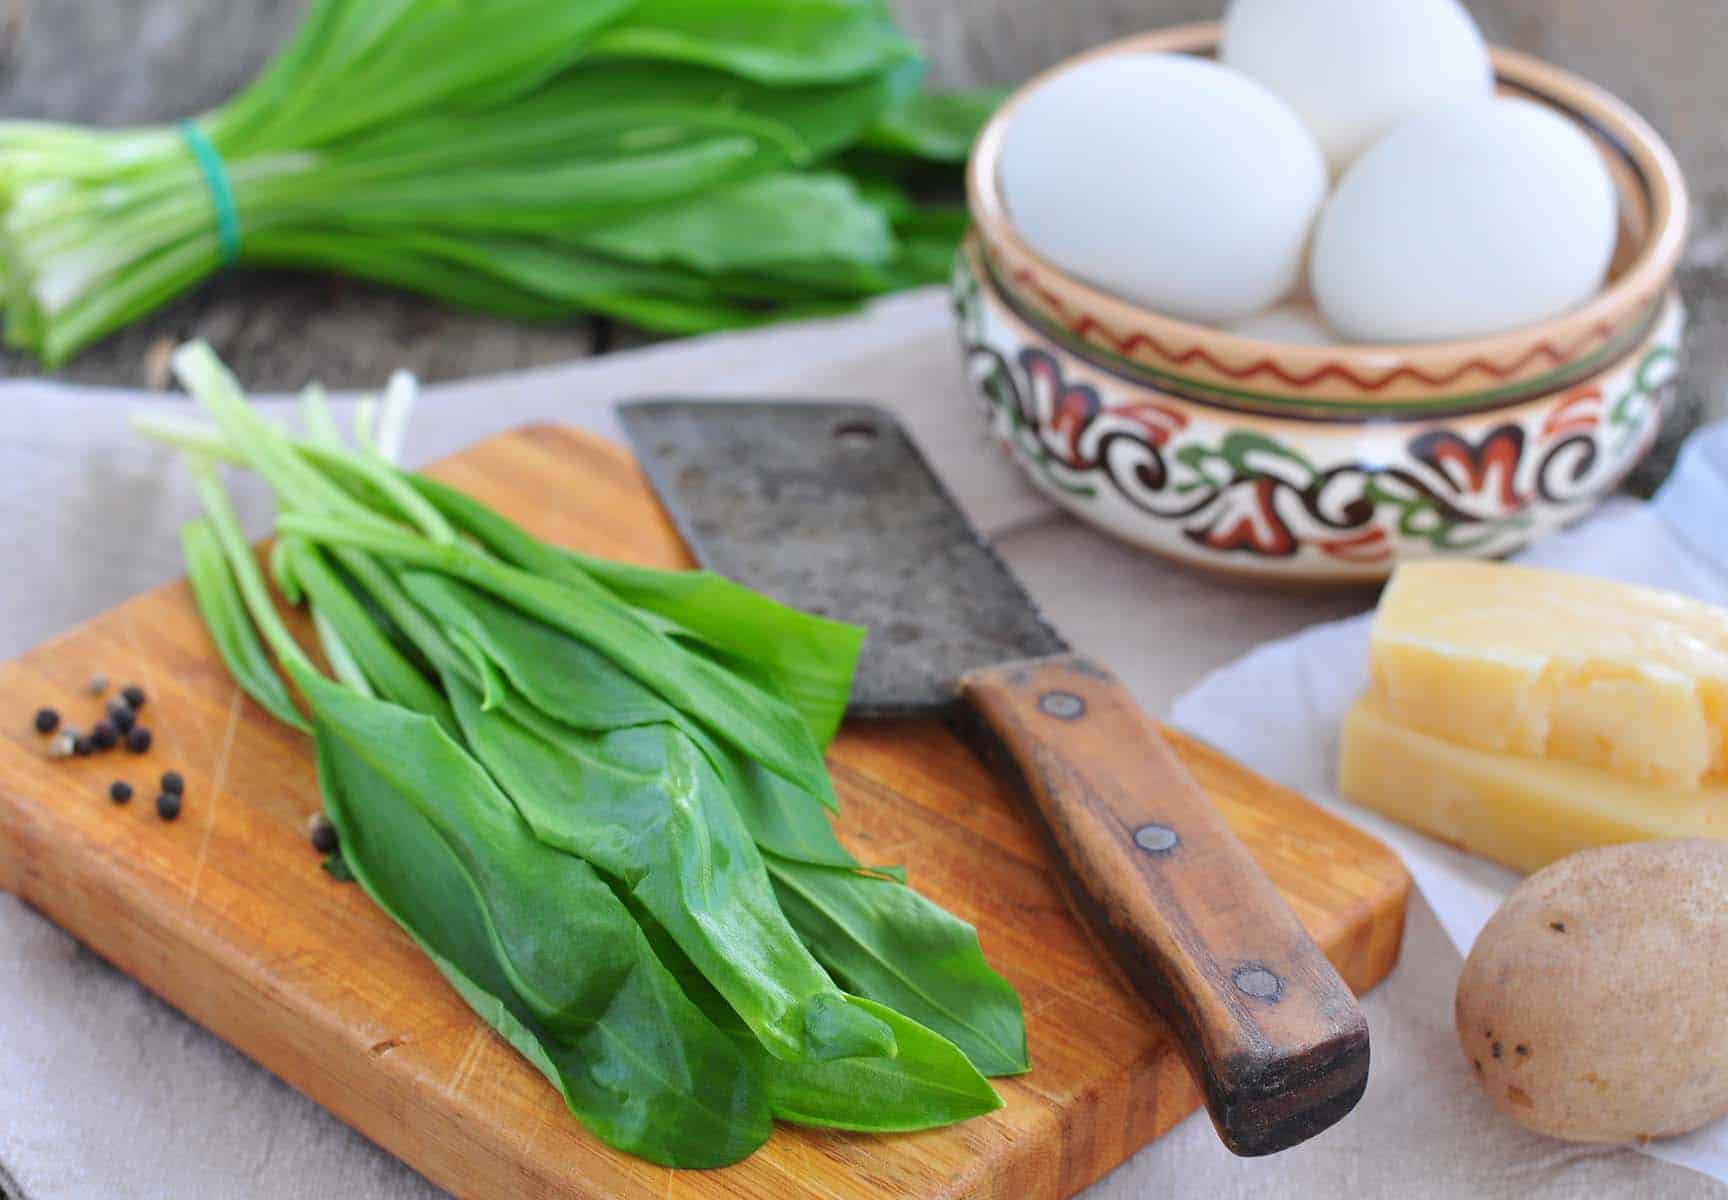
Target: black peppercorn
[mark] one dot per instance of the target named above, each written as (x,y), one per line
(172,781)
(83,747)
(168,806)
(122,717)
(47,720)
(103,735)
(119,791)
(138,739)
(133,695)
(322,833)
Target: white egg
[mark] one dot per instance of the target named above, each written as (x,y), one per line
(1171,181)
(1295,323)
(1477,220)
(1352,69)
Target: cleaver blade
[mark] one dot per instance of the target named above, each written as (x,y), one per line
(832,509)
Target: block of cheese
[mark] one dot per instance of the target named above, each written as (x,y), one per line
(1522,812)
(1552,665)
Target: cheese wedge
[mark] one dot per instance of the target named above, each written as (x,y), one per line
(1550,665)
(1522,812)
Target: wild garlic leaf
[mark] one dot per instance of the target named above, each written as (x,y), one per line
(811,658)
(528,197)
(774,219)
(643,805)
(569,683)
(808,660)
(924,238)
(647,808)
(530,937)
(538,279)
(390,671)
(424,59)
(577,606)
(554,672)
(812,121)
(927,1084)
(935,126)
(883,940)
(578,119)
(774,41)
(229,626)
(780,816)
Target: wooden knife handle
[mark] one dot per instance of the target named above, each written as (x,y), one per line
(1271,1033)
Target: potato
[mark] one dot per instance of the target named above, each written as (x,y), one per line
(1594,1007)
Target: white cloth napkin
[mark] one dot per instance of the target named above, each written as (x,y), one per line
(1280,707)
(108,1094)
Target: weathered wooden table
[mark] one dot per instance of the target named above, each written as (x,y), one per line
(118,61)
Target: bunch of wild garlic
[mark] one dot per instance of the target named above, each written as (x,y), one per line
(685,165)
(594,794)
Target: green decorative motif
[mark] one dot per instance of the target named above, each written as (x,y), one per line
(1640,403)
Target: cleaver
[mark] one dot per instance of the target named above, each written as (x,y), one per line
(832,509)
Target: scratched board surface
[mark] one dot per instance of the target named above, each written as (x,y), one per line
(227,915)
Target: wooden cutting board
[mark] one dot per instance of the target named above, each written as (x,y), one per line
(227,915)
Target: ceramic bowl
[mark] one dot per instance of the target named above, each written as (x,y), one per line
(1327,463)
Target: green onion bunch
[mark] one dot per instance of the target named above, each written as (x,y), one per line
(684,165)
(594,794)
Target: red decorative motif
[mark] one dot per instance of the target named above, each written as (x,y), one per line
(1490,467)
(1369,546)
(1248,520)
(1160,421)
(1071,407)
(1088,327)
(1579,409)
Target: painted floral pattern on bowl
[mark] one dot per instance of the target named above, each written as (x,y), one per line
(1313,495)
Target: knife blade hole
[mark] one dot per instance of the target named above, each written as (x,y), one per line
(856,435)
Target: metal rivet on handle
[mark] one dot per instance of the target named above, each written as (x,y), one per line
(1156,839)
(1258,982)
(1064,706)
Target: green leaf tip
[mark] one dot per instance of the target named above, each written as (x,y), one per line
(835,1029)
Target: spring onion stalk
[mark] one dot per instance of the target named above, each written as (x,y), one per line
(683,166)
